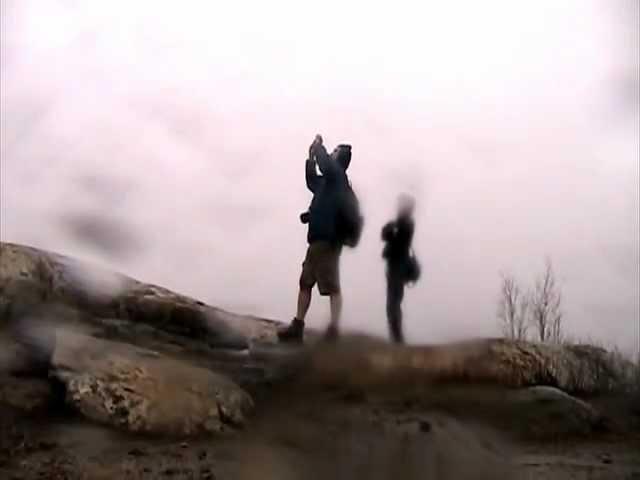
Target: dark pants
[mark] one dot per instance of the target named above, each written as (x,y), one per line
(395,294)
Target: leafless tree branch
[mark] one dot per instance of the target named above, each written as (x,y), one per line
(546,303)
(513,306)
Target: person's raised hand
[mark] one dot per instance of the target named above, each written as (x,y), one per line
(316,141)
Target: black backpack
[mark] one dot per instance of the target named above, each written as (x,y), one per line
(350,220)
(413,268)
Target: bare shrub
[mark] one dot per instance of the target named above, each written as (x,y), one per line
(513,306)
(613,370)
(545,307)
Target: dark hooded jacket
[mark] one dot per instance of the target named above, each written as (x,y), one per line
(327,190)
(398,236)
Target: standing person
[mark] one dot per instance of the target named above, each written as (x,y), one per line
(402,266)
(321,265)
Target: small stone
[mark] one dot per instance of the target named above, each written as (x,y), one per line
(184,445)
(408,403)
(207,474)
(425,426)
(202,455)
(46,445)
(137,452)
(354,396)
(606,459)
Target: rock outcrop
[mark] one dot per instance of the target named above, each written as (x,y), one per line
(144,359)
(141,391)
(576,369)
(29,276)
(546,412)
(65,323)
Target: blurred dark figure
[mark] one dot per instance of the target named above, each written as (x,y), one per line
(326,236)
(402,265)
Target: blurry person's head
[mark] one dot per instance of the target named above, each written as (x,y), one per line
(342,155)
(406,205)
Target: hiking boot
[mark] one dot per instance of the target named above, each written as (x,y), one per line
(331,334)
(292,333)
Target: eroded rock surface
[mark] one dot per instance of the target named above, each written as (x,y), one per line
(548,412)
(64,321)
(571,368)
(145,359)
(144,392)
(31,275)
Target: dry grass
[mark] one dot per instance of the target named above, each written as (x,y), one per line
(622,372)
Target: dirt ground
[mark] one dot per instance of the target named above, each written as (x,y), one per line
(303,432)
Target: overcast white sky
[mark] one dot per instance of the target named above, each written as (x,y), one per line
(180,129)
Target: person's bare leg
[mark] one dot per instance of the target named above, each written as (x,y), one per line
(336,310)
(295,330)
(304,300)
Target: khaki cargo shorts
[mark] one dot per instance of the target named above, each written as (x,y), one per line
(322,266)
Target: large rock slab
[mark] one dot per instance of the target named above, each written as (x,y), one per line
(29,275)
(140,391)
(547,412)
(43,295)
(130,310)
(579,369)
